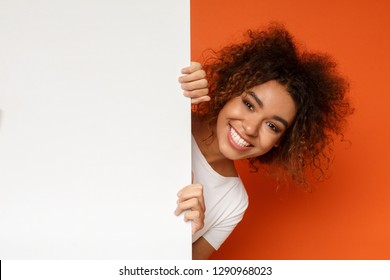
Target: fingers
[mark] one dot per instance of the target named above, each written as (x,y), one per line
(194,83)
(201,99)
(192,215)
(188,204)
(193,191)
(192,204)
(193,76)
(194,66)
(197,219)
(191,201)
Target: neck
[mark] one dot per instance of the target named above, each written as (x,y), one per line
(206,138)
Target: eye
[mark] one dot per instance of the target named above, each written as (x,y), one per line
(248,104)
(273,127)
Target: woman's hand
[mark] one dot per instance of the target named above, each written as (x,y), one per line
(192,202)
(194,83)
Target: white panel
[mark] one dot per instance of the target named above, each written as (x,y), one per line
(94,130)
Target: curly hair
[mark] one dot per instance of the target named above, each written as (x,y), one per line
(312,80)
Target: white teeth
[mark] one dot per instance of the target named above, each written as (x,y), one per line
(239,141)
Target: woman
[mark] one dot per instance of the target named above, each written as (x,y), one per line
(269,103)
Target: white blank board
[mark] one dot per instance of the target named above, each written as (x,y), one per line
(94,130)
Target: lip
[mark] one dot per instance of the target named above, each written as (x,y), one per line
(233,143)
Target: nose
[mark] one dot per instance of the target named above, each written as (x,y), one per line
(251,126)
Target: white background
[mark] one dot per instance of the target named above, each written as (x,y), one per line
(94,130)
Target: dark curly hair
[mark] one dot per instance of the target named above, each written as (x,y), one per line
(312,80)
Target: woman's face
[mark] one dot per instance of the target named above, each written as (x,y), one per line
(253,123)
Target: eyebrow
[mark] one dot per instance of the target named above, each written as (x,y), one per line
(260,103)
(283,121)
(254,96)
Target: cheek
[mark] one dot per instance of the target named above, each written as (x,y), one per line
(233,107)
(221,120)
(268,140)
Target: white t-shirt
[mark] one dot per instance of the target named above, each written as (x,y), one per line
(225,198)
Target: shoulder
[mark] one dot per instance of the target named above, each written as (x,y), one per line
(225,214)
(232,200)
(238,198)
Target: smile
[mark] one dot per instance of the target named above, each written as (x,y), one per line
(237,139)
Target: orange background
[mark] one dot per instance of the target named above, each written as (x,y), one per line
(347,216)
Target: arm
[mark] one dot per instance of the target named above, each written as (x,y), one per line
(201,249)
(194,86)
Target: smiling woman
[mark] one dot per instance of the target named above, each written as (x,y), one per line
(252,124)
(269,103)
